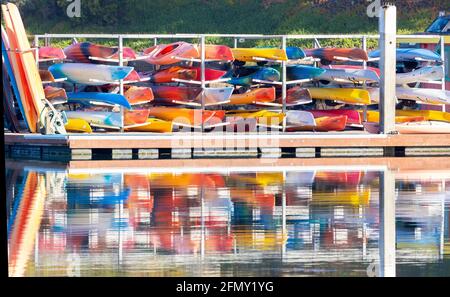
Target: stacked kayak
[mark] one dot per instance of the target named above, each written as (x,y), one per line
(167,87)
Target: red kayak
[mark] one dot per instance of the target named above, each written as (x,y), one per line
(80,52)
(355,67)
(134,76)
(296,96)
(210,74)
(168,75)
(175,72)
(48,52)
(333,54)
(172,93)
(354,117)
(166,54)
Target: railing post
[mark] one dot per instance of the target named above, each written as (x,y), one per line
(235,42)
(203,76)
(121,82)
(155,41)
(388,43)
(364,46)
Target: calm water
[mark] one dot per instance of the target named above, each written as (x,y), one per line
(310,222)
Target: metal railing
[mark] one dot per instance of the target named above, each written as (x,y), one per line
(236,37)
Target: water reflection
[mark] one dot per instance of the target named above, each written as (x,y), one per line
(288,223)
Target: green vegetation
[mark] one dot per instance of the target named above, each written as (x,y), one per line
(223,16)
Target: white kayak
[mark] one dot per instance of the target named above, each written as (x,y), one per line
(298,118)
(90,74)
(427,127)
(97,118)
(216,96)
(428,96)
(349,75)
(424,74)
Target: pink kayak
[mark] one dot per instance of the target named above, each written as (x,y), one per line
(354,117)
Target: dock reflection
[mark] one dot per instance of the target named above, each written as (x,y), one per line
(314,222)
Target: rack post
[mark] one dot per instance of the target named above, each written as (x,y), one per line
(444,107)
(122,124)
(388,43)
(284,71)
(203,66)
(36,45)
(364,46)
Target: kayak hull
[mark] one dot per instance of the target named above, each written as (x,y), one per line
(260,95)
(108,98)
(89,74)
(348,96)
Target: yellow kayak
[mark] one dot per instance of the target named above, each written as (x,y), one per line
(373,116)
(78,126)
(429,115)
(264,117)
(153,125)
(249,54)
(350,96)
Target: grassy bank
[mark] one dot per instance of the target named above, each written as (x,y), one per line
(224,16)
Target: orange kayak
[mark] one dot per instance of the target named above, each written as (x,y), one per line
(176,72)
(46,76)
(185,116)
(135,117)
(153,125)
(139,95)
(217,52)
(324,124)
(53,93)
(254,96)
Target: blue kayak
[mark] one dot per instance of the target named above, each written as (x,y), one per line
(411,54)
(298,72)
(295,53)
(244,76)
(86,97)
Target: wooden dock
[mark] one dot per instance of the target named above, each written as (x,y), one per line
(114,146)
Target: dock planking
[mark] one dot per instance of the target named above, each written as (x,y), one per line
(107,146)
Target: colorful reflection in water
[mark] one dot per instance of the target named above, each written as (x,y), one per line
(289,223)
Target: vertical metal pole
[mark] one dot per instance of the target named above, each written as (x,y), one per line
(36,45)
(284,85)
(387,224)
(364,46)
(388,43)
(203,77)
(235,42)
(444,107)
(122,124)
(155,41)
